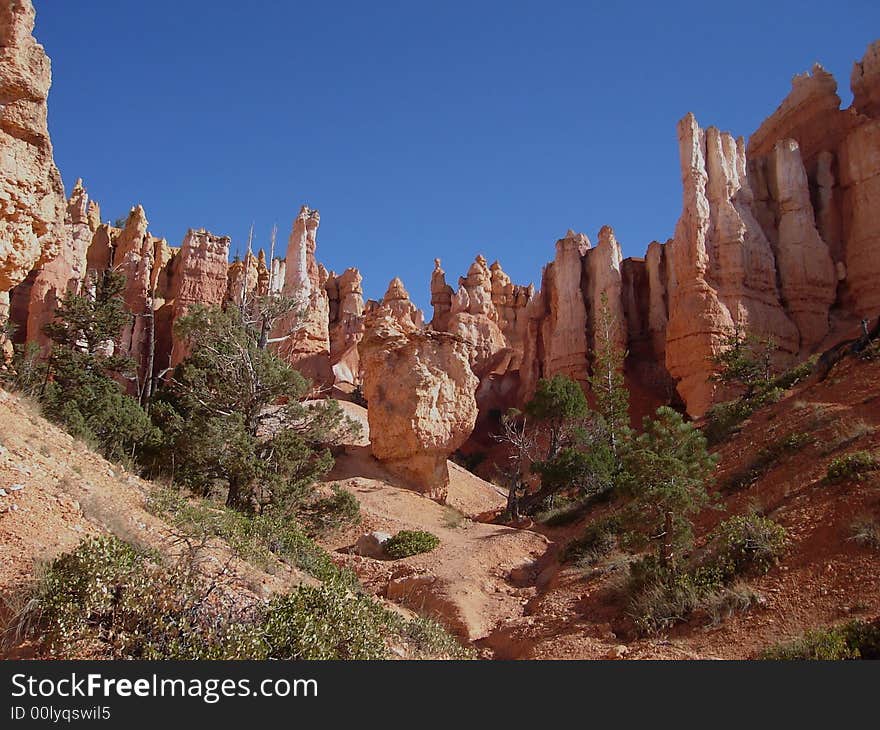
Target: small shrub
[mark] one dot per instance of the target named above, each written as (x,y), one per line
(845,432)
(865,531)
(598,540)
(324,622)
(851,466)
(410,542)
(723,418)
(795,375)
(563,511)
(745,544)
(428,639)
(331,513)
(853,640)
(452,518)
(106,598)
(764,460)
(256,538)
(663,600)
(730,600)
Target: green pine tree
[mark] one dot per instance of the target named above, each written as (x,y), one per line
(668,467)
(607,381)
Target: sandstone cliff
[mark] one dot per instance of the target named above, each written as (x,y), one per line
(31,194)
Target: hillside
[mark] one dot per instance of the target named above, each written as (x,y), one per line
(503,588)
(824,577)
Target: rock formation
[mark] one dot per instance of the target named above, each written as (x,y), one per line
(32,199)
(474,318)
(441,298)
(65,273)
(808,280)
(201,278)
(605,292)
(247,277)
(779,238)
(723,272)
(307,332)
(420,389)
(346,326)
(865,82)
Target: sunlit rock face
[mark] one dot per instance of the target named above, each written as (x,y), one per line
(420,389)
(306,333)
(32,201)
(201,277)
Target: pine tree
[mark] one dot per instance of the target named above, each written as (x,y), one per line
(746,360)
(80,390)
(668,466)
(234,416)
(607,381)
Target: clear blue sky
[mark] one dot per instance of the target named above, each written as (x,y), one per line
(419,129)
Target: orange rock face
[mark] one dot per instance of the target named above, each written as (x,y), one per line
(31,194)
(307,347)
(66,272)
(200,278)
(346,326)
(723,272)
(420,389)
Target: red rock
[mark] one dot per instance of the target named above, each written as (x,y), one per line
(31,194)
(200,278)
(420,389)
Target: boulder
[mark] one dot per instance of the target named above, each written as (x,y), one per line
(420,388)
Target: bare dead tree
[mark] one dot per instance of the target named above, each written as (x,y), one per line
(522,443)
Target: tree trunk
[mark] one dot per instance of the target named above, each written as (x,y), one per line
(234,497)
(667,548)
(513,500)
(147,391)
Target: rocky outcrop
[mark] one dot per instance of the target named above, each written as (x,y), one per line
(66,272)
(420,389)
(474,318)
(32,199)
(605,293)
(346,326)
(723,272)
(810,114)
(865,82)
(487,310)
(859,161)
(806,272)
(306,333)
(246,279)
(200,278)
(441,298)
(565,328)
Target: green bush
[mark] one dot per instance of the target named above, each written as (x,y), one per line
(851,466)
(598,540)
(107,598)
(723,419)
(852,640)
(661,597)
(256,538)
(324,622)
(331,513)
(865,531)
(745,544)
(659,600)
(410,542)
(795,375)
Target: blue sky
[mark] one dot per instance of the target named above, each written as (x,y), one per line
(419,129)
